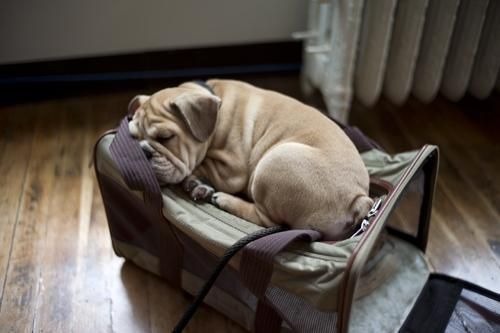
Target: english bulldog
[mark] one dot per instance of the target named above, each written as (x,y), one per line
(272,159)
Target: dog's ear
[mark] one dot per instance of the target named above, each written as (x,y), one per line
(136,102)
(199,111)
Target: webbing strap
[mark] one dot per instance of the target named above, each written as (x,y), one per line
(134,166)
(266,318)
(361,141)
(256,269)
(230,252)
(137,173)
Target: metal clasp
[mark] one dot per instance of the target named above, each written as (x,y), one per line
(366,221)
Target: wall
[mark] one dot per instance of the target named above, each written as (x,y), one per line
(32,30)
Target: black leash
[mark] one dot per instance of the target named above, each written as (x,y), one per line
(230,252)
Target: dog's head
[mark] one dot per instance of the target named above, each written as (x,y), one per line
(174,126)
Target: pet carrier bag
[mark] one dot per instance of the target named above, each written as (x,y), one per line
(288,281)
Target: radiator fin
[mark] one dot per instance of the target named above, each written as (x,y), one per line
(487,61)
(405,44)
(464,44)
(374,45)
(436,38)
(400,47)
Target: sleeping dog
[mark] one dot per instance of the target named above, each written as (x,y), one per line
(288,163)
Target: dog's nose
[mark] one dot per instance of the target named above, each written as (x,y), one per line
(147,153)
(147,149)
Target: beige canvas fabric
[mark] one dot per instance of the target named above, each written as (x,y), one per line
(387,167)
(312,271)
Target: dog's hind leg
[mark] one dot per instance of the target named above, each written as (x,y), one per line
(241,208)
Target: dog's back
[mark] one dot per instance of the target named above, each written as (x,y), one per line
(297,165)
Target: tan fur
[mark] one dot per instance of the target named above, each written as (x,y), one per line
(294,165)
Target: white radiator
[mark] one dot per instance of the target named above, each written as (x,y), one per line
(366,48)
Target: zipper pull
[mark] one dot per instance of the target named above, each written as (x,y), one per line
(366,221)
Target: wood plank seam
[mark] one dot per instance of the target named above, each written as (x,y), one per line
(16,221)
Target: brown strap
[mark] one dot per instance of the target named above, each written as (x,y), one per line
(138,175)
(267,319)
(256,269)
(134,166)
(361,141)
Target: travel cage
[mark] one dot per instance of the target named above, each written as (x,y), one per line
(287,281)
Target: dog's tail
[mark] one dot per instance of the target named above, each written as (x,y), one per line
(360,207)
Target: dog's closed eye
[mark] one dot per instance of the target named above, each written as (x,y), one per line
(165,137)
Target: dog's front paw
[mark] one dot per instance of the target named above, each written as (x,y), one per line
(214,199)
(220,200)
(202,192)
(190,183)
(197,189)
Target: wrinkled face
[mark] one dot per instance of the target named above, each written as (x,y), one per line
(173,127)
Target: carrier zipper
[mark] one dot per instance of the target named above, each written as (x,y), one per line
(366,221)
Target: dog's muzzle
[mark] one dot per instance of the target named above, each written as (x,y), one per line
(147,149)
(166,171)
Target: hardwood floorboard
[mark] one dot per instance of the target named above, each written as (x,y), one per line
(464,151)
(468,141)
(16,140)
(24,282)
(58,272)
(59,259)
(90,297)
(458,184)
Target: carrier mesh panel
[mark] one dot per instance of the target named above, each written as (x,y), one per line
(299,314)
(451,305)
(474,313)
(406,214)
(395,271)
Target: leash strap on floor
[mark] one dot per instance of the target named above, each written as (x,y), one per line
(230,252)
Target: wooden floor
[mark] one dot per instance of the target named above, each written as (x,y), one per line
(58,272)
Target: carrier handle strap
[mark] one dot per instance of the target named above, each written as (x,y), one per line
(134,166)
(230,252)
(138,175)
(256,269)
(361,141)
